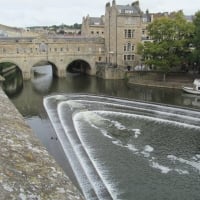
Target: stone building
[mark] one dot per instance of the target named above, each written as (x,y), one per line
(122,28)
(122,33)
(93,26)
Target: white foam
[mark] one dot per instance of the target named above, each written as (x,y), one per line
(193,164)
(75,105)
(162,168)
(157,120)
(148,148)
(118,125)
(158,109)
(137,132)
(117,142)
(132,148)
(89,115)
(180,171)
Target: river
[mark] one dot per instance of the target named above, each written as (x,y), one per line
(134,149)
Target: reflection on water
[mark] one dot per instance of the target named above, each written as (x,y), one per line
(191,99)
(42,79)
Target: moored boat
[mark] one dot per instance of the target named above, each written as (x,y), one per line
(195,89)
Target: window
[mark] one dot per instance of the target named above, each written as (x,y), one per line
(129,47)
(129,57)
(129,33)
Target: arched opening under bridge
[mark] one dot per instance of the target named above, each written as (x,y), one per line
(42,74)
(44,67)
(79,67)
(12,82)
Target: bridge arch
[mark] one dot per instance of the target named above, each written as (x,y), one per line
(13,77)
(79,66)
(44,63)
(8,66)
(18,65)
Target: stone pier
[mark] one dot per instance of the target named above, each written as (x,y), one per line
(27,171)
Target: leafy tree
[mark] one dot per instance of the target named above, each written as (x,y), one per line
(170,46)
(196,40)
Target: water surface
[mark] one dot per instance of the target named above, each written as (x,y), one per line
(141,151)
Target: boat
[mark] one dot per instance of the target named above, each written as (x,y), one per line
(195,89)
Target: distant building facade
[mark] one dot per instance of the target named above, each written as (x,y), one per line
(122,27)
(93,26)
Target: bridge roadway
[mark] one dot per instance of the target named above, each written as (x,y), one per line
(60,52)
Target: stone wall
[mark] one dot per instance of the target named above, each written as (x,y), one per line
(27,171)
(109,72)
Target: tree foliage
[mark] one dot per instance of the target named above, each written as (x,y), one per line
(169,47)
(196,39)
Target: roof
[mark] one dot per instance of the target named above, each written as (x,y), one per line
(96,21)
(128,9)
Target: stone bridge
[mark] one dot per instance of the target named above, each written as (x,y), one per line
(62,53)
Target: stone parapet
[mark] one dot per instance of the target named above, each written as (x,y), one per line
(27,171)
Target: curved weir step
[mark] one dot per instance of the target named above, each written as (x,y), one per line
(68,111)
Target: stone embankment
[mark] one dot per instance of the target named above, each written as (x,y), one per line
(27,171)
(173,80)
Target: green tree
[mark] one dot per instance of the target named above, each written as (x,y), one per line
(196,40)
(170,42)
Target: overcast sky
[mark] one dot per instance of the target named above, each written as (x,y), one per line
(23,13)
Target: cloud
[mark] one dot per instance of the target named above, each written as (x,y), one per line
(23,13)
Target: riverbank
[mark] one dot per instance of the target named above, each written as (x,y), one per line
(165,84)
(176,81)
(27,171)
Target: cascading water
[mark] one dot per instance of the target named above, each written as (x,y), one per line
(121,149)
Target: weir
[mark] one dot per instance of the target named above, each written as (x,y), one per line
(121,148)
(27,171)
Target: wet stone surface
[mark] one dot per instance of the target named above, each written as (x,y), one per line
(27,171)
